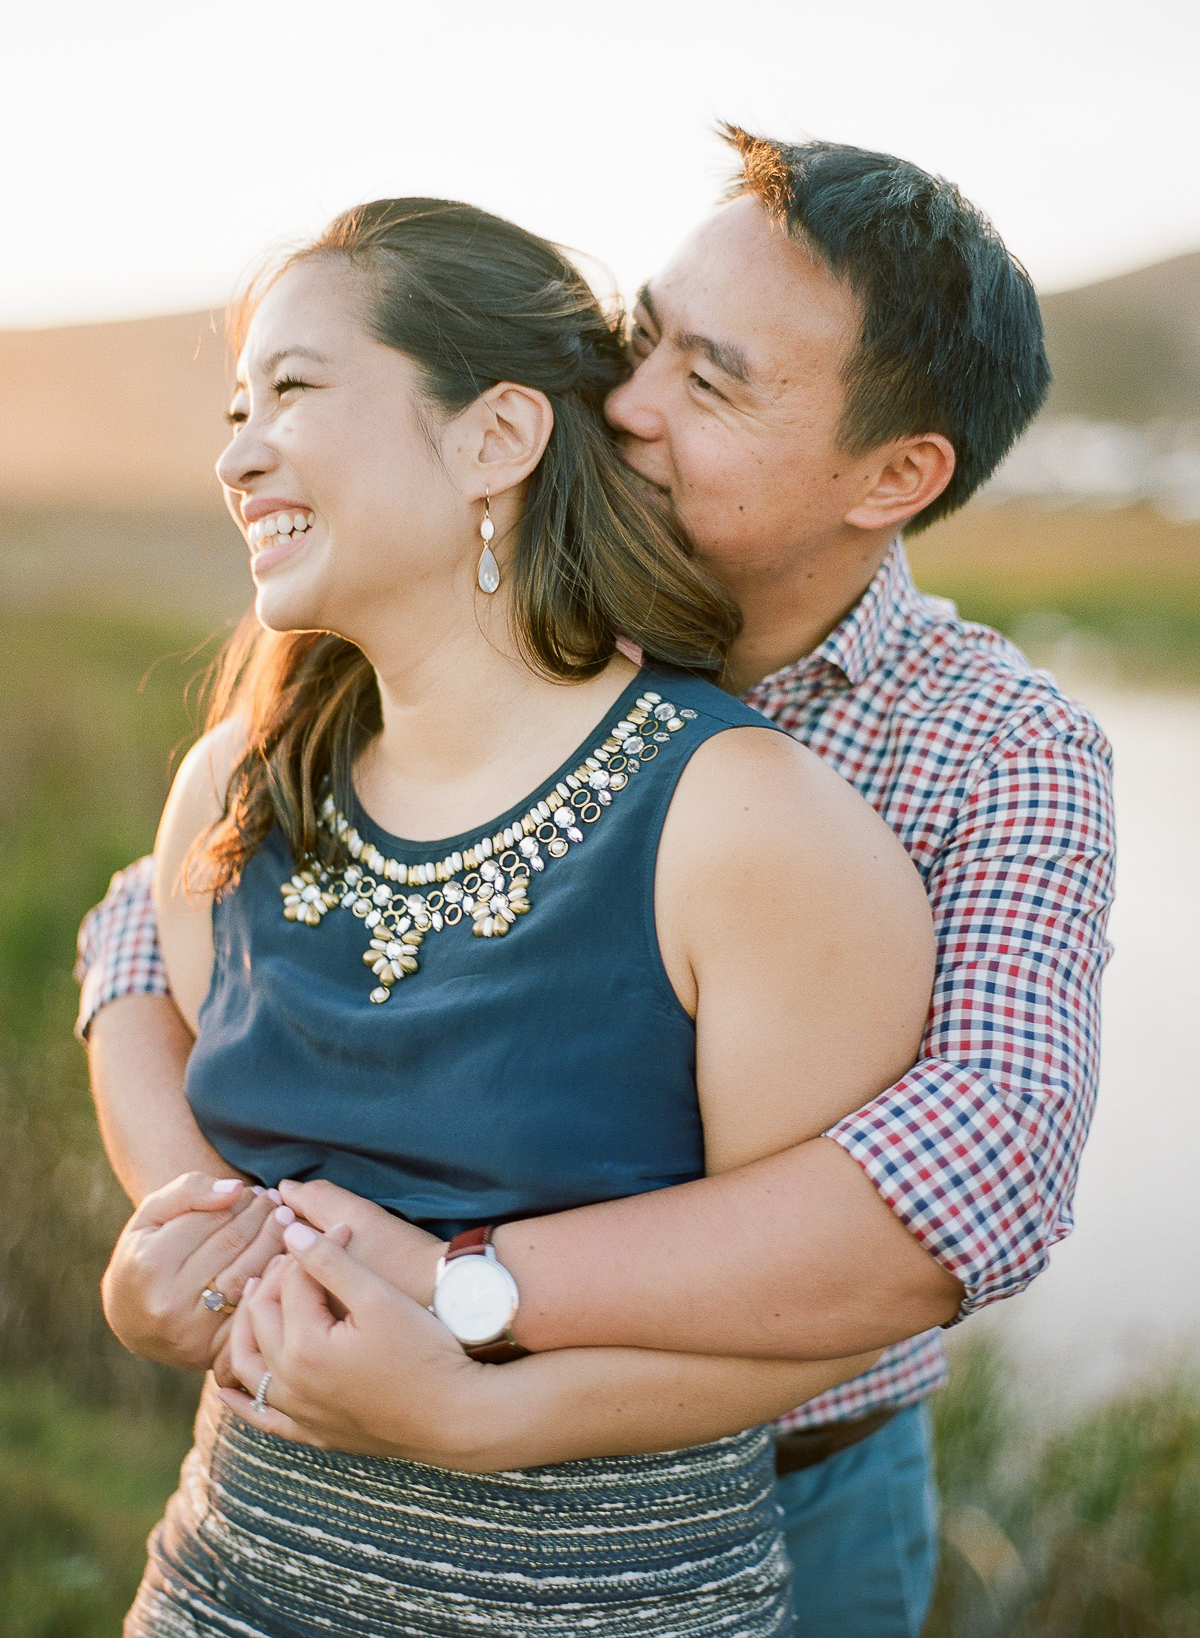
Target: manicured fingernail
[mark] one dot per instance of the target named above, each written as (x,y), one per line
(274,1194)
(226,1185)
(248,1288)
(299,1237)
(285,1214)
(257,1188)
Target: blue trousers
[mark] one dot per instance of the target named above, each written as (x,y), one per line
(862,1534)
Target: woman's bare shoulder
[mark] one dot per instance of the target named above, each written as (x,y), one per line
(197,798)
(792,862)
(763,793)
(184,903)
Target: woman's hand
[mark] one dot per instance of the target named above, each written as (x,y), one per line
(196,1233)
(370,1372)
(403,1255)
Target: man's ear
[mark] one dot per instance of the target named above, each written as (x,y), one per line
(508,428)
(910,476)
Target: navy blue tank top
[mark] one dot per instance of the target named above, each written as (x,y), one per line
(506,1076)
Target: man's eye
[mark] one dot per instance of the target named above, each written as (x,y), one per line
(641,337)
(705,386)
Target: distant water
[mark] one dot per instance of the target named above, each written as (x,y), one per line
(1123,1292)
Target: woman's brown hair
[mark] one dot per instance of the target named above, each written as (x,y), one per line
(473,300)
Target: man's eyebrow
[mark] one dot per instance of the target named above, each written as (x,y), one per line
(276,359)
(729,359)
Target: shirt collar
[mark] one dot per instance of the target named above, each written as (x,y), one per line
(859,643)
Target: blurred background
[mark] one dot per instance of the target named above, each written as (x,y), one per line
(152,154)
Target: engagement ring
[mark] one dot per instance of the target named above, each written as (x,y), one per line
(260,1398)
(215,1301)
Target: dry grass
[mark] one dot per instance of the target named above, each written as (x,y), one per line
(1128,580)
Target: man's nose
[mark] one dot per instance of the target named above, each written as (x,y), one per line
(631,407)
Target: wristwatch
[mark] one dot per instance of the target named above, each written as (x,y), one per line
(475,1297)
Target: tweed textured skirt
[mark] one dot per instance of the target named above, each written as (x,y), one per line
(268,1539)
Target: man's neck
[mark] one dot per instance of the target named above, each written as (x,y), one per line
(787,615)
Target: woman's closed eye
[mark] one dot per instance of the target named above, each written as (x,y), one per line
(236,416)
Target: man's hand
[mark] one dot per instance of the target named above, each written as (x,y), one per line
(194,1234)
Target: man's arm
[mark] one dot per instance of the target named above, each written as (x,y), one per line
(138,1049)
(138,1045)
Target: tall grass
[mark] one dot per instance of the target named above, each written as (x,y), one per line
(1090,1532)
(88,721)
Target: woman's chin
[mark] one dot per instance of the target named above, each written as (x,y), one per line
(283,608)
(285,598)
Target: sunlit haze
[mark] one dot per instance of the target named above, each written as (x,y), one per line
(152,152)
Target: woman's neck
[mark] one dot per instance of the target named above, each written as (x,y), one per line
(469,730)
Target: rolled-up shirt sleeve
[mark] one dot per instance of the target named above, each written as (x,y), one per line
(977,1148)
(118,950)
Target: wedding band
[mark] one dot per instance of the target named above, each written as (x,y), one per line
(215,1301)
(260,1398)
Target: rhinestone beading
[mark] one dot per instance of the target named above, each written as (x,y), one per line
(487,883)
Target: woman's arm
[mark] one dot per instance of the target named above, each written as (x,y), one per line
(796,929)
(387,1379)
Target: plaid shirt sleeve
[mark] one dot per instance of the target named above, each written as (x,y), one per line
(977,1148)
(118,947)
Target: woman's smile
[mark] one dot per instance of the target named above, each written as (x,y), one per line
(278,534)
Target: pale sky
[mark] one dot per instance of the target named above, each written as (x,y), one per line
(153,149)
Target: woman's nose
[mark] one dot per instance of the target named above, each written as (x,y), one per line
(245,457)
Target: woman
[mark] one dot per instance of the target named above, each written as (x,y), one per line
(681,924)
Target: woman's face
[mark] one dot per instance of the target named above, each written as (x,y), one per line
(327,433)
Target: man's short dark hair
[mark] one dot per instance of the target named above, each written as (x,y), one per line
(951,339)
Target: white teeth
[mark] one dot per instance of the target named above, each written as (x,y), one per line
(280,523)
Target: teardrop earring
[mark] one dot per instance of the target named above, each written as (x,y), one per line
(488,572)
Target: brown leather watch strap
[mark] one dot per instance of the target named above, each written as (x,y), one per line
(470,1240)
(497,1353)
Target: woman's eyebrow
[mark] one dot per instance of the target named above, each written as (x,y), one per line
(276,359)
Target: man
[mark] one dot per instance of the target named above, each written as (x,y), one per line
(843,350)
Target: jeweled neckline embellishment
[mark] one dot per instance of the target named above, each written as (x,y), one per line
(488,881)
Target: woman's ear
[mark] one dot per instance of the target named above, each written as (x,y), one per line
(911,474)
(511,428)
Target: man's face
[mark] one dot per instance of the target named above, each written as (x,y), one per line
(737,393)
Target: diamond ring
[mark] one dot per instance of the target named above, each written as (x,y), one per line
(216,1302)
(260,1398)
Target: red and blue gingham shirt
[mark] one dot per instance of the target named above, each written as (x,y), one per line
(1000,789)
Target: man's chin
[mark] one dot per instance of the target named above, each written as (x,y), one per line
(660,499)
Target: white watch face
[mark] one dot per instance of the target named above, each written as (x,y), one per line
(476,1298)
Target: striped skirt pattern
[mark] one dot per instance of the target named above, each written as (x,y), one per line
(268,1539)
